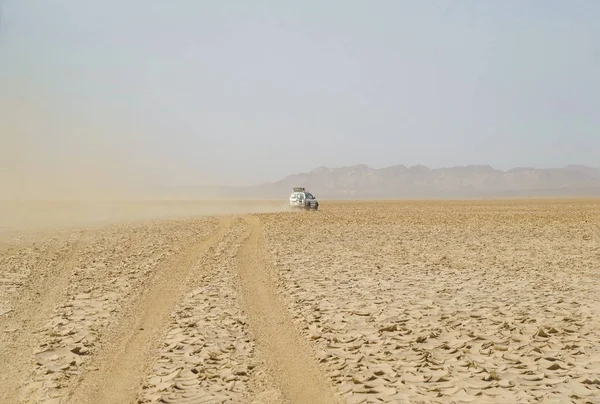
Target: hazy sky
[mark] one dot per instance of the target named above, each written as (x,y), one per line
(184,92)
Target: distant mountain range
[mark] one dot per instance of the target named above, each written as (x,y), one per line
(363,182)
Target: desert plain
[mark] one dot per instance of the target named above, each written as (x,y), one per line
(359,302)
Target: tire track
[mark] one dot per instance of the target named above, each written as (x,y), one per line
(35,305)
(123,362)
(208,355)
(278,341)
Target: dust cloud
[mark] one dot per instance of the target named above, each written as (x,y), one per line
(60,170)
(49,155)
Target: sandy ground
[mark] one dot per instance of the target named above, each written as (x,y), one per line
(401,302)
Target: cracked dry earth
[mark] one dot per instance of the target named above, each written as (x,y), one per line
(399,302)
(208,355)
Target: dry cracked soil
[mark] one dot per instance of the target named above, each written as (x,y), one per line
(360,302)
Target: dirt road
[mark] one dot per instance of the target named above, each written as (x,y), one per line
(278,339)
(374,302)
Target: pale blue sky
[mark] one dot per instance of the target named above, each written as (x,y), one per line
(248,91)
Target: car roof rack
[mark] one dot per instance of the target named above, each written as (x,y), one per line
(299,189)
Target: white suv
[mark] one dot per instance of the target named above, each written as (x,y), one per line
(300,198)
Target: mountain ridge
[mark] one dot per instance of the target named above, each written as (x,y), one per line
(418,181)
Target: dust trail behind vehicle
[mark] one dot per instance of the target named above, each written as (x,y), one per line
(19,219)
